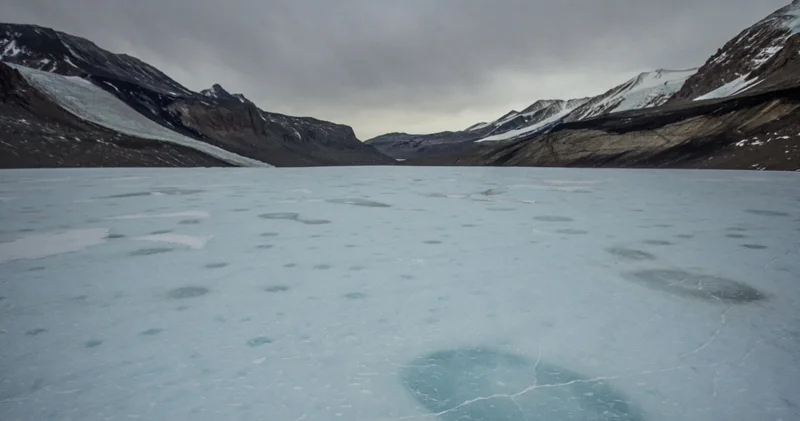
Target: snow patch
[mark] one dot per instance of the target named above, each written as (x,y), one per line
(38,246)
(527,129)
(11,49)
(191,241)
(731,88)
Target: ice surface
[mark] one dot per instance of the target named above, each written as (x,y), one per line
(508,294)
(89,102)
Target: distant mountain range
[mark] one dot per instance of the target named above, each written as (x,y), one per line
(67,102)
(763,57)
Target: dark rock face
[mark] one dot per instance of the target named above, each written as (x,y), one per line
(35,132)
(757,52)
(214,116)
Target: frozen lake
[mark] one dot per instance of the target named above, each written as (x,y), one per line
(386,293)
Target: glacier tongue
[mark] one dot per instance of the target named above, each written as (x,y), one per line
(91,103)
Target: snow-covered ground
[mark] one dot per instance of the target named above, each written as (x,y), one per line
(390,293)
(89,102)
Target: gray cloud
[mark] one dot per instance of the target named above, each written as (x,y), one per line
(387,65)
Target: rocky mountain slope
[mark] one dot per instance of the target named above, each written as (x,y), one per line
(537,116)
(649,89)
(220,119)
(752,57)
(654,118)
(36,132)
(760,130)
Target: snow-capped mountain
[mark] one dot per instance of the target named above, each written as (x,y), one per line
(748,59)
(648,89)
(537,116)
(227,121)
(763,56)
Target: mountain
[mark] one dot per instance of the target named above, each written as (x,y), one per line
(738,110)
(648,89)
(757,55)
(218,92)
(757,130)
(37,132)
(214,117)
(537,116)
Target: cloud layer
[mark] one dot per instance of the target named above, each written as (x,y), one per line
(411,65)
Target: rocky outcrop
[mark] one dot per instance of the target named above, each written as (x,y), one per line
(218,92)
(750,55)
(35,133)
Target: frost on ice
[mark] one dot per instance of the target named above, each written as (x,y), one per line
(513,294)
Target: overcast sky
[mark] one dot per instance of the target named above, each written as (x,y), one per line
(402,65)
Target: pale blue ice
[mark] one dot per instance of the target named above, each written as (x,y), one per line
(385,293)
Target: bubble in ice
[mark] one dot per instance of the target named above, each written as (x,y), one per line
(150,251)
(35,332)
(736,236)
(277,288)
(216,265)
(151,332)
(258,341)
(93,343)
(187,292)
(766,212)
(570,231)
(755,246)
(657,242)
(355,296)
(359,202)
(553,218)
(631,254)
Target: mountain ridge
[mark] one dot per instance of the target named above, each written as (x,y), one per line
(228,121)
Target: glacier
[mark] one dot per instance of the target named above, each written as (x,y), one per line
(91,103)
(383,293)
